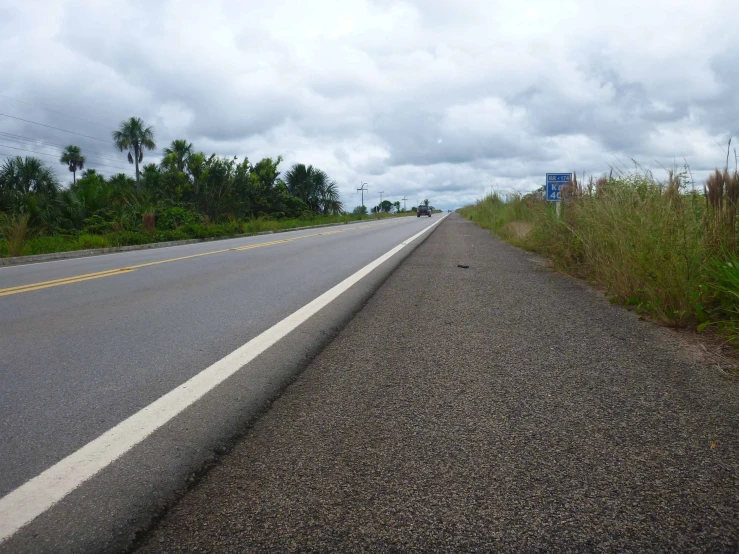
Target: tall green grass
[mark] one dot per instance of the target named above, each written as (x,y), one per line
(661,248)
(13,233)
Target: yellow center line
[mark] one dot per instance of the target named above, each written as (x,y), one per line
(110,272)
(39,286)
(148,264)
(64,280)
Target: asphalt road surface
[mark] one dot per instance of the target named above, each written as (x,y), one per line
(88,342)
(499,407)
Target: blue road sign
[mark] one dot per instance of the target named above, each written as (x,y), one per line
(555,183)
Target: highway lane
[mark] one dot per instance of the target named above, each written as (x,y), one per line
(540,418)
(82,352)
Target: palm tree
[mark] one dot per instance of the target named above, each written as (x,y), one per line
(196,167)
(330,199)
(21,178)
(72,156)
(180,150)
(133,136)
(301,182)
(426,202)
(26,176)
(314,187)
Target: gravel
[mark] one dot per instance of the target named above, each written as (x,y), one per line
(494,407)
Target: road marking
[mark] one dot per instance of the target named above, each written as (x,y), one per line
(109,273)
(9,267)
(39,286)
(37,495)
(61,281)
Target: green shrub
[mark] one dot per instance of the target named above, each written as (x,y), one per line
(171,235)
(174,217)
(86,241)
(48,245)
(97,225)
(196,230)
(15,231)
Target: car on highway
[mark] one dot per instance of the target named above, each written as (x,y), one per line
(423,210)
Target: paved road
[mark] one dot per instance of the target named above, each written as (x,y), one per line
(496,408)
(88,342)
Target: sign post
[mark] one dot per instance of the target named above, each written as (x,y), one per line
(556,184)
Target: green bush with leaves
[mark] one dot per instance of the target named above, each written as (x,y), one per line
(96,224)
(175,217)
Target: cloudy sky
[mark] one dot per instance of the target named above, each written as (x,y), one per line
(424,98)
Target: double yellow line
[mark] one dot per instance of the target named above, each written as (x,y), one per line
(122,270)
(58,282)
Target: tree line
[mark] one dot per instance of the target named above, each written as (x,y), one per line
(187,186)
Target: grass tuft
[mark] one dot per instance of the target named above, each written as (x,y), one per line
(15,232)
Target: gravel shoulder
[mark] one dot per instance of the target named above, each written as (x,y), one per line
(498,407)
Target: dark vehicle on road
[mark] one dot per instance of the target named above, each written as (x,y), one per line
(423,210)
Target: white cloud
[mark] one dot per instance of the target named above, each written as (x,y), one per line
(424,98)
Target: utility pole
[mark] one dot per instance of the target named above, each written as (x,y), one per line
(380,209)
(362,189)
(404,199)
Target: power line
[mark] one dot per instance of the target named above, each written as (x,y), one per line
(56,128)
(21,138)
(43,154)
(58,172)
(55,111)
(54,156)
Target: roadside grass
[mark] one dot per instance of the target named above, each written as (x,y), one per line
(660,248)
(13,233)
(17,240)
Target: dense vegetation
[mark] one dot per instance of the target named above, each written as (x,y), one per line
(188,195)
(663,248)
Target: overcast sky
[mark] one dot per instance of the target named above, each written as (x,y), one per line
(424,98)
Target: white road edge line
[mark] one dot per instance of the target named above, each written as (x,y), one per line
(37,495)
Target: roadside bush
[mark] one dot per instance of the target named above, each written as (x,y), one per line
(175,217)
(49,244)
(129,238)
(97,225)
(197,230)
(15,231)
(86,241)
